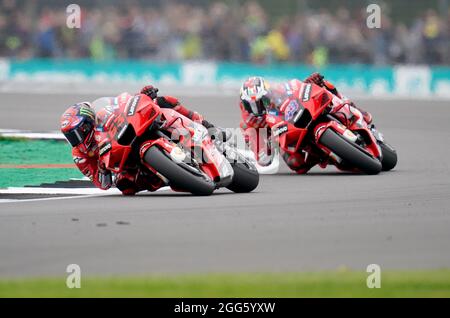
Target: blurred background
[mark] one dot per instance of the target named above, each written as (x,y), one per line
(315,32)
(218,43)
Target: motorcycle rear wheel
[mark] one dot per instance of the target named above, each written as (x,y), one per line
(178,177)
(350,153)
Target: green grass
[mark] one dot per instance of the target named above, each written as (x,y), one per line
(3,138)
(35,177)
(18,151)
(435,283)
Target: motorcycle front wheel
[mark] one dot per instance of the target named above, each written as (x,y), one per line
(350,153)
(245,178)
(179,177)
(389,157)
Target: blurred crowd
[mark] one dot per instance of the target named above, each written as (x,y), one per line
(175,31)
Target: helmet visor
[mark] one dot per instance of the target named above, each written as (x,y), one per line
(258,107)
(78,135)
(74,137)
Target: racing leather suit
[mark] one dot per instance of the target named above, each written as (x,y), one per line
(256,131)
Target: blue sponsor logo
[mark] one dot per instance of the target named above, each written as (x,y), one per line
(291,110)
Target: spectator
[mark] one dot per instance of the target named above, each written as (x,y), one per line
(224,31)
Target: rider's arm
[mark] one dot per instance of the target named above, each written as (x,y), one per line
(319,79)
(174,103)
(170,102)
(89,166)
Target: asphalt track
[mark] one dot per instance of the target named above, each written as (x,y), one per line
(326,219)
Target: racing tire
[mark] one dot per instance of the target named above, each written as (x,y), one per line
(178,177)
(389,157)
(245,178)
(350,153)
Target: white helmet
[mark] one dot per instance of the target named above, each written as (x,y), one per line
(255,96)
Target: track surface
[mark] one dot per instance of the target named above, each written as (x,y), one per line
(399,220)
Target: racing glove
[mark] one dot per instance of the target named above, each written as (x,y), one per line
(104,177)
(315,78)
(150,91)
(318,79)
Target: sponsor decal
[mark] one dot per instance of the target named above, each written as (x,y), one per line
(79,160)
(270,119)
(133,104)
(76,122)
(306,93)
(105,148)
(280,130)
(85,111)
(299,114)
(65,123)
(291,109)
(288,89)
(144,148)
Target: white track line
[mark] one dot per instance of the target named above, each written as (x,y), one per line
(12,133)
(75,193)
(49,199)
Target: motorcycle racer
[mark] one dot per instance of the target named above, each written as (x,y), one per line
(257,98)
(78,124)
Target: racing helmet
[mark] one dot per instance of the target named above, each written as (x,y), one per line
(77,125)
(255,96)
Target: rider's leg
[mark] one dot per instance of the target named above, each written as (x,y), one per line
(132,181)
(298,163)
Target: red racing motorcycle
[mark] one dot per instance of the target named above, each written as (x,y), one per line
(305,121)
(140,134)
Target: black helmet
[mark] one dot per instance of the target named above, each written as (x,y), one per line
(77,125)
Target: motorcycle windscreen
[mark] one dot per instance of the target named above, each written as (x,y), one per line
(104,102)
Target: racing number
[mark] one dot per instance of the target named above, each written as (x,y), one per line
(117,125)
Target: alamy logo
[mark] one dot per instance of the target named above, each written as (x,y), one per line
(374,19)
(374,279)
(73,13)
(74,278)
